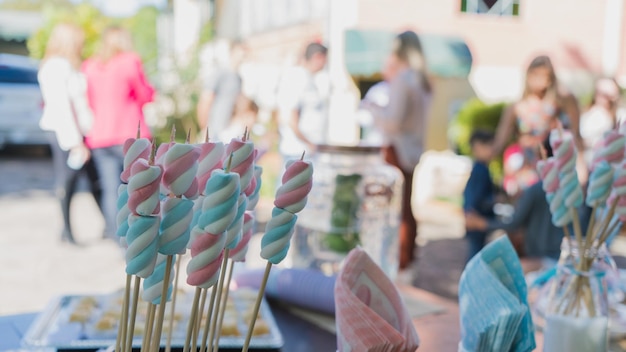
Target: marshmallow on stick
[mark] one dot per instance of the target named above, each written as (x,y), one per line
(291,198)
(255,195)
(208,237)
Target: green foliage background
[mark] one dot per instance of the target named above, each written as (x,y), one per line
(142,27)
(475,114)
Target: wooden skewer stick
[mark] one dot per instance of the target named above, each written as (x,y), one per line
(147,331)
(133,314)
(206,137)
(577,230)
(220,287)
(123,324)
(257,306)
(605,224)
(138,129)
(196,330)
(168,344)
(609,231)
(192,319)
(205,332)
(156,341)
(188,136)
(222,308)
(592,222)
(173,134)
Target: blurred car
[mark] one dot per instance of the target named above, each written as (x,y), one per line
(21,103)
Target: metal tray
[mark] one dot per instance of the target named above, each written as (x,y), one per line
(53,329)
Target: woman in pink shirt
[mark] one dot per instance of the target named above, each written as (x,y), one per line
(117,90)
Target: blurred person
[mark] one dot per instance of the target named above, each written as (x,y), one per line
(532,215)
(478,195)
(545,105)
(117,89)
(303,105)
(66,113)
(220,92)
(403,124)
(244,117)
(601,116)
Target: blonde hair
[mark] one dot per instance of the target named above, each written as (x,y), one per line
(542,61)
(115,40)
(66,41)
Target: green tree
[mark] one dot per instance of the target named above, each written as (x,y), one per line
(33,5)
(85,15)
(143,26)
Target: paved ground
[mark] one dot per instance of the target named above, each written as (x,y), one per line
(36,266)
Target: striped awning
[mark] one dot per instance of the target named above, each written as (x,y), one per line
(366,50)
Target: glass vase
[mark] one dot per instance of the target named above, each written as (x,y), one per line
(577,315)
(356,200)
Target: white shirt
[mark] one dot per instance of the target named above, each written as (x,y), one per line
(66,110)
(301,91)
(593,124)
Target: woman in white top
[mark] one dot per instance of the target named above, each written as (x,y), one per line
(66,113)
(403,124)
(602,115)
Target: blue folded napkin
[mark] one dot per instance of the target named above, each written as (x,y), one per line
(493,302)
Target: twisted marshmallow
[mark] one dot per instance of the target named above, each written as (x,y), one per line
(243,160)
(297,182)
(211,158)
(619,180)
(561,216)
(610,148)
(153,284)
(142,240)
(177,216)
(549,174)
(134,149)
(122,211)
(564,151)
(235,230)
(219,207)
(600,182)
(159,159)
(181,164)
(207,252)
(276,240)
(253,198)
(143,188)
(572,192)
(238,254)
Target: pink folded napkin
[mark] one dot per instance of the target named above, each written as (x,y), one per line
(370,313)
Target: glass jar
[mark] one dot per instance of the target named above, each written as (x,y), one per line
(356,200)
(577,314)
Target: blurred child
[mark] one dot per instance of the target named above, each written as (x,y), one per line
(244,116)
(478,196)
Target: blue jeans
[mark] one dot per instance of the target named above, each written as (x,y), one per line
(66,180)
(109,162)
(475,242)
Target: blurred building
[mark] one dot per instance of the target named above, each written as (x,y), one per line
(582,37)
(472,46)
